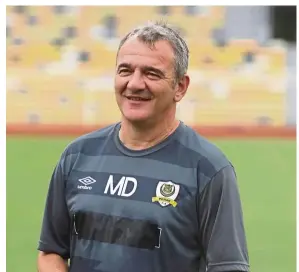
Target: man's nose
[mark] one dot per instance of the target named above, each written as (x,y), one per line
(136,82)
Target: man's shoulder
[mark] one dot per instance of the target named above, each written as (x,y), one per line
(89,138)
(208,152)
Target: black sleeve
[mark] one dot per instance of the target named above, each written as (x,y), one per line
(55,232)
(222,233)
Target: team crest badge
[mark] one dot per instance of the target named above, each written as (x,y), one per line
(166,193)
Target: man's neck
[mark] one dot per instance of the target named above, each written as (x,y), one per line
(142,137)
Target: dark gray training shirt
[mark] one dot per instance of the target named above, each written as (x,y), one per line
(171,208)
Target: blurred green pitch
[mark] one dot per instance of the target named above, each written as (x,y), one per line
(267,180)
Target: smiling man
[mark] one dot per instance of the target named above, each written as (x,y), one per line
(147,194)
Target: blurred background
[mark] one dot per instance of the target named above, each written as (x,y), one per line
(60,71)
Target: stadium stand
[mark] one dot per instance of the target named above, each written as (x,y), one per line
(60,65)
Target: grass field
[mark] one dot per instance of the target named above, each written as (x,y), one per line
(267,180)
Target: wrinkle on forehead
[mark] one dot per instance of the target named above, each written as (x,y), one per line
(161,51)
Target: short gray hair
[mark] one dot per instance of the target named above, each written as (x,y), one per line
(157,31)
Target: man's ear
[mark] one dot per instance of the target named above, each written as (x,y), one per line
(182,87)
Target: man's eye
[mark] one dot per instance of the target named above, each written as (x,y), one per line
(153,75)
(124,71)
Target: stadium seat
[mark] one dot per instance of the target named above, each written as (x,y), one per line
(237,82)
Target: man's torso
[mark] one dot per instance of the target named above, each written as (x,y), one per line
(137,211)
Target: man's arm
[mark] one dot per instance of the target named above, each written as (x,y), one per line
(48,262)
(54,244)
(222,233)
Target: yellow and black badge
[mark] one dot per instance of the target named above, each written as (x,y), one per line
(166,193)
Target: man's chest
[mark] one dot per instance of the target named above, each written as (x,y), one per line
(133,199)
(104,192)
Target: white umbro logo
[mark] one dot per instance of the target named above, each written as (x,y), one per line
(86,181)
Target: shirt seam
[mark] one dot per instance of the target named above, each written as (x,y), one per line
(200,194)
(228,263)
(217,172)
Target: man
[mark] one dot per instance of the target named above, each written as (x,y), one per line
(147,194)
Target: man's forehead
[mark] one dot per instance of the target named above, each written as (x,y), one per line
(134,49)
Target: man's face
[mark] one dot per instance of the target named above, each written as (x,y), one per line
(145,81)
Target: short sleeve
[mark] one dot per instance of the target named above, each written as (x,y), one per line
(222,233)
(55,232)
